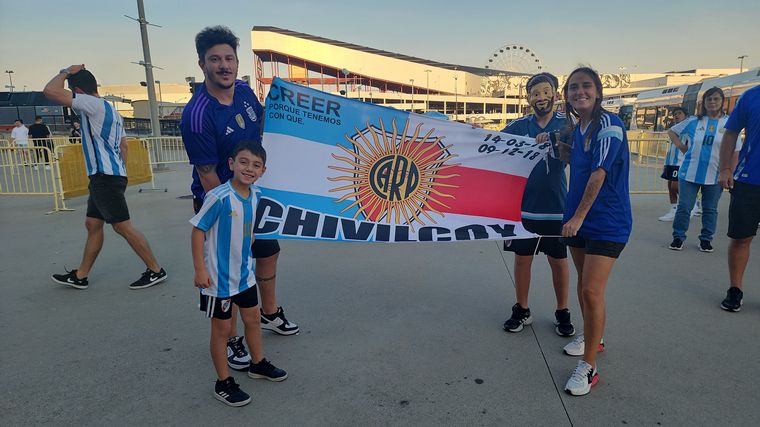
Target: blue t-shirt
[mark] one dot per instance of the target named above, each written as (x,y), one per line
(746,115)
(546,190)
(610,215)
(210,130)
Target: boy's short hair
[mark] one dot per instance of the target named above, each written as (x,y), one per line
(212,36)
(20,121)
(37,118)
(681,109)
(253,146)
(542,78)
(85,81)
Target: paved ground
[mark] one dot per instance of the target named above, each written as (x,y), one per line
(391,334)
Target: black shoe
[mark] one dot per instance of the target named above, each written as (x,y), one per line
(266,370)
(70,279)
(676,244)
(229,393)
(563,326)
(237,356)
(705,246)
(733,300)
(520,317)
(277,323)
(148,279)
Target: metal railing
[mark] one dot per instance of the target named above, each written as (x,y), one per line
(162,151)
(648,151)
(30,171)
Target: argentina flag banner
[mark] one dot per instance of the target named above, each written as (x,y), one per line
(344,170)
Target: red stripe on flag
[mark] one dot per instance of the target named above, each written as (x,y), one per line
(480,192)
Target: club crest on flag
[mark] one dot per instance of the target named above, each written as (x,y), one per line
(395,177)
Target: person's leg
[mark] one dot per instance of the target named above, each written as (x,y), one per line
(220,330)
(738,257)
(138,242)
(252,324)
(673,191)
(266,277)
(596,272)
(560,280)
(686,196)
(522,278)
(710,198)
(579,259)
(92,246)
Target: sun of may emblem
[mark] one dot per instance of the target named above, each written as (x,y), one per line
(394,176)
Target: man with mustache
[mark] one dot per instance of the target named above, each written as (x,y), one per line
(222,112)
(543,204)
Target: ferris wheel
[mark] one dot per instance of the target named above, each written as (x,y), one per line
(515,58)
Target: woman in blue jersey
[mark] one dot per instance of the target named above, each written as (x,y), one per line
(701,137)
(597,219)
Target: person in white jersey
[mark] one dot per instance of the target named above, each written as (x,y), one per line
(105,154)
(673,160)
(221,243)
(699,171)
(20,138)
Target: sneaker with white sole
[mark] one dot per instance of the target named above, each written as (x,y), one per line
(584,377)
(277,323)
(668,217)
(70,279)
(520,317)
(576,346)
(705,246)
(676,244)
(237,356)
(562,324)
(228,392)
(148,279)
(264,369)
(733,300)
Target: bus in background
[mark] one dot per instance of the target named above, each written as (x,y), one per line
(622,107)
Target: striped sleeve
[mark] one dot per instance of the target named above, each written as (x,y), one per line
(209,213)
(609,140)
(198,135)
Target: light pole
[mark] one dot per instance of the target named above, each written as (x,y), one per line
(10,77)
(740,58)
(345,80)
(160,96)
(456,99)
(427,90)
(147,64)
(412,82)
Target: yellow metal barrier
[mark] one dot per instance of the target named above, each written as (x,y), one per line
(166,149)
(73,171)
(648,151)
(30,171)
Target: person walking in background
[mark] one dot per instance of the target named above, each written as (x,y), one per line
(673,160)
(742,179)
(597,219)
(105,154)
(543,204)
(20,139)
(40,134)
(702,136)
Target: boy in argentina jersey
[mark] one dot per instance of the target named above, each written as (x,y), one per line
(221,244)
(543,204)
(702,135)
(673,160)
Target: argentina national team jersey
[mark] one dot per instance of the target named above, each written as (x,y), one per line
(102,130)
(703,137)
(674,157)
(227,220)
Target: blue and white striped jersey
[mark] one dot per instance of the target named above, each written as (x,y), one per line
(102,130)
(227,219)
(674,157)
(703,137)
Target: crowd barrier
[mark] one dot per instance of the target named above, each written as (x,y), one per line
(648,151)
(162,151)
(30,171)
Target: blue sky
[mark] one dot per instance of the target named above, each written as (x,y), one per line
(40,37)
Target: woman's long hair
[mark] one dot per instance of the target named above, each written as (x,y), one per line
(710,92)
(596,114)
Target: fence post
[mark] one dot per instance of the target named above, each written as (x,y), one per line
(58,189)
(149,147)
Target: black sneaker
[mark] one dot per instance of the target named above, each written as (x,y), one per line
(705,246)
(237,356)
(148,279)
(277,323)
(520,317)
(676,244)
(70,279)
(733,300)
(266,370)
(229,393)
(563,326)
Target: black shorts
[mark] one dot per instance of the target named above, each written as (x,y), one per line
(106,199)
(261,248)
(670,173)
(744,210)
(551,246)
(221,308)
(595,247)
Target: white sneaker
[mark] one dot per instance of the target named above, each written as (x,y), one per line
(584,377)
(576,346)
(668,217)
